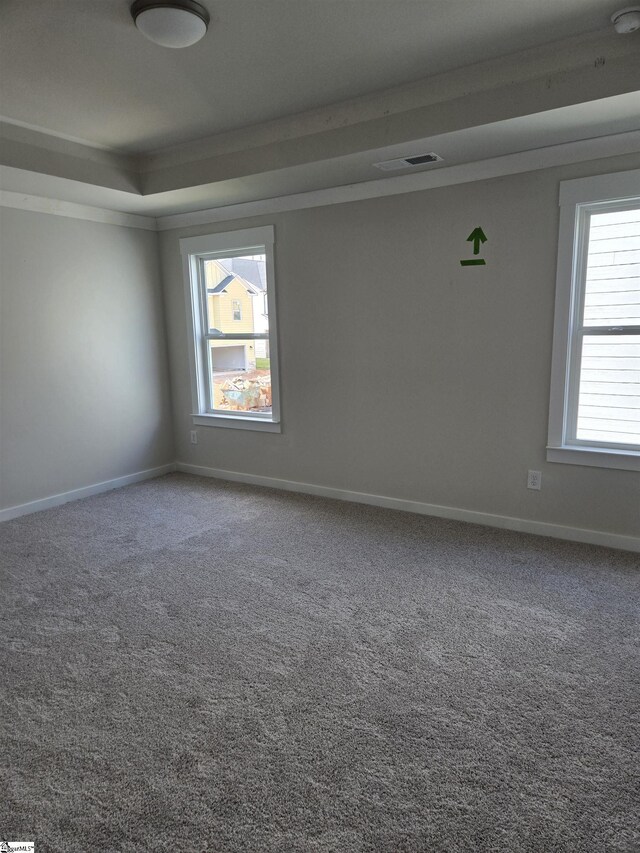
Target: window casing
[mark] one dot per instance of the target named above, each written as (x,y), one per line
(594,416)
(232,342)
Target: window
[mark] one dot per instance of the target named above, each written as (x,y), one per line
(231,309)
(595,387)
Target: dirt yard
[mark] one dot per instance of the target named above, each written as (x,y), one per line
(252,385)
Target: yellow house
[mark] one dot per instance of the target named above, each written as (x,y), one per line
(230,309)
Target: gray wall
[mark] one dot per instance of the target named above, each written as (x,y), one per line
(83,372)
(404,374)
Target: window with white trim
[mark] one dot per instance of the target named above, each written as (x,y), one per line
(229,286)
(595,393)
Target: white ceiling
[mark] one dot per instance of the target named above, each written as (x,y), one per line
(290,96)
(79,68)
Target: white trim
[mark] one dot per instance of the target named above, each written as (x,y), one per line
(236,422)
(246,238)
(560,347)
(85,492)
(540,528)
(194,329)
(55,207)
(616,185)
(595,457)
(522,525)
(480,170)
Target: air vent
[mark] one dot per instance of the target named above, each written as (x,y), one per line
(411,162)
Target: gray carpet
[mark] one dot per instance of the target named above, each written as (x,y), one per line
(198,666)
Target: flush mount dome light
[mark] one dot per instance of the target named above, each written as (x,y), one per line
(627,20)
(177,24)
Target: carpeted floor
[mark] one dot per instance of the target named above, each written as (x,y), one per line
(198,666)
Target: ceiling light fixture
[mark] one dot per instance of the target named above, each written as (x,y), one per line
(177,24)
(627,20)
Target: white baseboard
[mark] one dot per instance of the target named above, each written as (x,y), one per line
(539,528)
(85,492)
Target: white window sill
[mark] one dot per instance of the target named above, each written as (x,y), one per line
(597,457)
(236,422)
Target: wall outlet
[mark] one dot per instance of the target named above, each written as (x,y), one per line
(194,438)
(534,480)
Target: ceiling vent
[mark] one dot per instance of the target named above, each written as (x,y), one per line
(412,162)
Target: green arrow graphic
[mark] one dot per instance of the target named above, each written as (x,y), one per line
(476,237)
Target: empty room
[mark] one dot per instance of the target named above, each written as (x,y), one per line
(320,426)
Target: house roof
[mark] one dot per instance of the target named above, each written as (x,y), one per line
(221,286)
(226,281)
(250,270)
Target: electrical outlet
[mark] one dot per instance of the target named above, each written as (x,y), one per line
(534,480)
(194,438)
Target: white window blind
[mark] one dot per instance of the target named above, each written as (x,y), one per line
(608,408)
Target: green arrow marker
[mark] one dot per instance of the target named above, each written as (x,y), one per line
(476,237)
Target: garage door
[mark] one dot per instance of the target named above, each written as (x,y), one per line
(229,358)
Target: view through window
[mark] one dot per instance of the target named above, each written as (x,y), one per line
(237,334)
(608,409)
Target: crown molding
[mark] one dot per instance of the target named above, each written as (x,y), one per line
(55,207)
(52,135)
(509,164)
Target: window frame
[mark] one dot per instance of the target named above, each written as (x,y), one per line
(224,244)
(578,200)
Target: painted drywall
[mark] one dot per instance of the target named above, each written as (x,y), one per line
(405,374)
(83,368)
